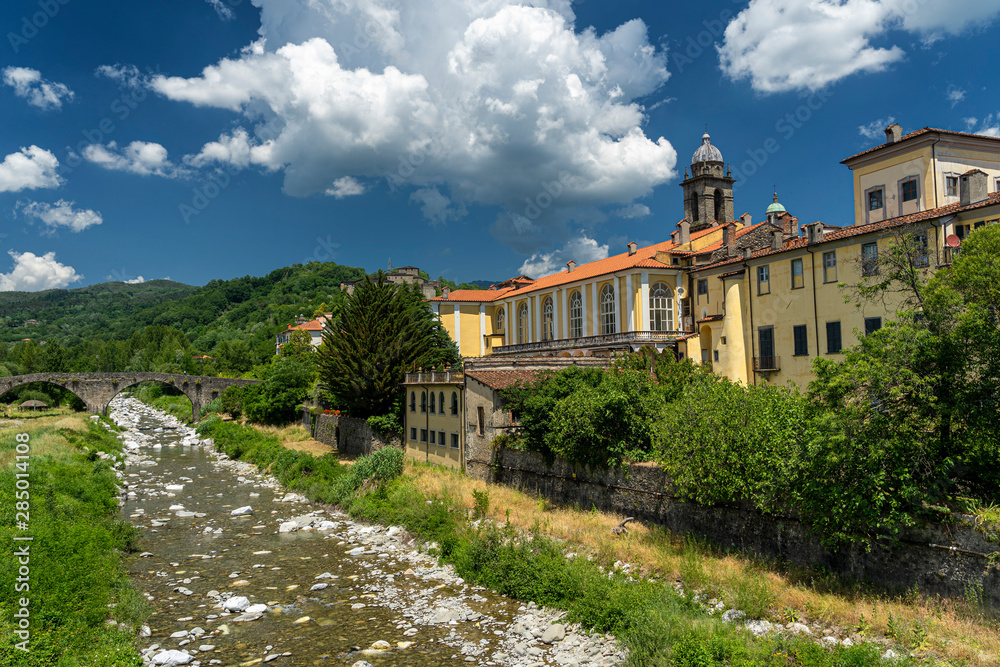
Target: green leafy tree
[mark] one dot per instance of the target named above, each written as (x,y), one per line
(285,385)
(381,332)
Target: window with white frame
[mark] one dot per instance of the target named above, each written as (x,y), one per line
(608,309)
(499,321)
(575,315)
(522,324)
(830,266)
(547,316)
(661,307)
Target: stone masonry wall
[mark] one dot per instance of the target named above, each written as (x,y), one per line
(937,559)
(350,436)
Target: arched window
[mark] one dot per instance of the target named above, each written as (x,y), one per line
(423,401)
(499,321)
(522,324)
(547,328)
(661,307)
(575,315)
(454,402)
(432,403)
(441,402)
(608,309)
(719,207)
(413,401)
(694,207)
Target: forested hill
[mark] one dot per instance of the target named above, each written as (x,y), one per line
(251,309)
(84,312)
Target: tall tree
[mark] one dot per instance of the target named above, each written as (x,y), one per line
(381,332)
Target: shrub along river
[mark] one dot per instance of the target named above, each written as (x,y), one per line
(238,572)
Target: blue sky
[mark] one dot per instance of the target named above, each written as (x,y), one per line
(478,139)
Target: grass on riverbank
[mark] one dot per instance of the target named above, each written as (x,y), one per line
(659,626)
(77,581)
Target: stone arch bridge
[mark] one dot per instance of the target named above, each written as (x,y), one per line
(97,389)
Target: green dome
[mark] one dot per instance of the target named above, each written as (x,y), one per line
(775,207)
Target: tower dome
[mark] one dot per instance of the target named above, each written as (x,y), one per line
(775,207)
(706,152)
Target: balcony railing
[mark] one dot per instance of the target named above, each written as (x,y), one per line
(435,377)
(766,364)
(605,340)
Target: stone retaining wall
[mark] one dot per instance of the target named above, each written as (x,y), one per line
(350,436)
(947,560)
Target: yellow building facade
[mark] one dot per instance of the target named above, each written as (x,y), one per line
(434,430)
(759,301)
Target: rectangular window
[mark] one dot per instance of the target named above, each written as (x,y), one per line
(764,279)
(921,257)
(910,190)
(875,200)
(798,278)
(715,355)
(869,259)
(830,266)
(442,438)
(433,436)
(951,186)
(800,333)
(765,337)
(423,435)
(833,344)
(454,440)
(872,324)
(703,289)
(481,420)
(413,433)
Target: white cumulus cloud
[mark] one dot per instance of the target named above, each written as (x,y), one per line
(581,250)
(783,45)
(954,95)
(33,273)
(31,168)
(60,214)
(345,186)
(989,126)
(39,92)
(436,207)
(139,157)
(502,99)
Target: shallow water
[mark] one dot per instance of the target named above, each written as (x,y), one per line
(249,557)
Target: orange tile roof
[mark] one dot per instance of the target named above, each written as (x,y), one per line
(502,379)
(475,295)
(913,135)
(858,230)
(739,234)
(311,325)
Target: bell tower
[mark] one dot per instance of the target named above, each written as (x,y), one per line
(708,191)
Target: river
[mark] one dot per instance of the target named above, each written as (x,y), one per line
(298,584)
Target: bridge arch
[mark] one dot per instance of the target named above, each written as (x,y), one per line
(4,389)
(97,389)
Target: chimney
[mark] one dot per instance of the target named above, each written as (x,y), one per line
(729,240)
(747,252)
(973,187)
(814,232)
(685,228)
(631,247)
(446,292)
(571,265)
(746,219)
(776,239)
(893,133)
(791,226)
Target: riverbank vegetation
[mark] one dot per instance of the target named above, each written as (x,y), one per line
(521,551)
(83,611)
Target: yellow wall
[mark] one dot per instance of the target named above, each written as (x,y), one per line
(888,173)
(424,451)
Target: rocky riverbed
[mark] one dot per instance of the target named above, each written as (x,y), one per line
(239,572)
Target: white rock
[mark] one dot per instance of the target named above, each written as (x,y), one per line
(238,603)
(172,657)
(256,609)
(287,527)
(318,587)
(554,633)
(179,634)
(242,511)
